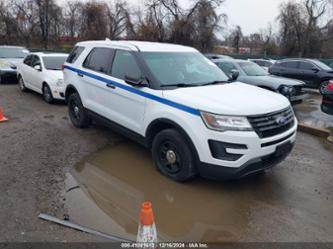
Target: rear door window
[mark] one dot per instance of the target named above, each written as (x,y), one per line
(290,64)
(74,54)
(99,60)
(305,65)
(124,64)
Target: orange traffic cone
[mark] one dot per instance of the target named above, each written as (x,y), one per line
(2,117)
(147,230)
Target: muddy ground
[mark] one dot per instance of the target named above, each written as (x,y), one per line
(41,155)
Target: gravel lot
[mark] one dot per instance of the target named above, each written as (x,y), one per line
(39,145)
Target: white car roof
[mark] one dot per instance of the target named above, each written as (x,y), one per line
(42,54)
(143,46)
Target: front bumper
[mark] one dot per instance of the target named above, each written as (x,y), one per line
(251,167)
(8,76)
(297,98)
(58,92)
(245,153)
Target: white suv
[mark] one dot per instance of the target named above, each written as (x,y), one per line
(176,102)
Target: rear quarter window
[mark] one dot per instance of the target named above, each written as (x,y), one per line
(74,54)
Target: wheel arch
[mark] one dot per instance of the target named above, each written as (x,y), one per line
(70,89)
(161,124)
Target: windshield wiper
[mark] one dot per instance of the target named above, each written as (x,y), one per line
(180,85)
(215,82)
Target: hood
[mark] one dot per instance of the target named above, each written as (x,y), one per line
(229,99)
(270,81)
(8,63)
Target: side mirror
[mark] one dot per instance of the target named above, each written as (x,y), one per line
(135,80)
(234,75)
(38,67)
(314,69)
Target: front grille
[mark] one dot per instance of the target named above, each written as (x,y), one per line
(268,125)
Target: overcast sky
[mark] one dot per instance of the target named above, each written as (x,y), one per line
(251,15)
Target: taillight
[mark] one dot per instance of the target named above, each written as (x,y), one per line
(62,67)
(330,86)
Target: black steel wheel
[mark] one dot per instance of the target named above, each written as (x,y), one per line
(173,156)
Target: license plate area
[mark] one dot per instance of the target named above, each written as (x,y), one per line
(283,149)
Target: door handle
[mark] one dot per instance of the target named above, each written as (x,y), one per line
(80,74)
(111,86)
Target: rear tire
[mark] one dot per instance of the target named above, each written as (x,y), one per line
(47,94)
(173,156)
(323,85)
(77,113)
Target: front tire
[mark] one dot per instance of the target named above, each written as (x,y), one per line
(173,156)
(21,84)
(77,113)
(47,94)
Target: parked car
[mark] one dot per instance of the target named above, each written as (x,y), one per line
(314,73)
(217,56)
(180,105)
(10,56)
(327,102)
(42,73)
(265,64)
(250,73)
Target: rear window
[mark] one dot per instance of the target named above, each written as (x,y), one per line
(13,52)
(99,59)
(54,62)
(75,53)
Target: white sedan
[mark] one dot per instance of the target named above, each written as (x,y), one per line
(42,73)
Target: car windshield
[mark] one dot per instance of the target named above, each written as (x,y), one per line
(13,52)
(322,65)
(252,69)
(54,62)
(183,68)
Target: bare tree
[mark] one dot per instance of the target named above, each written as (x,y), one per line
(118,19)
(236,37)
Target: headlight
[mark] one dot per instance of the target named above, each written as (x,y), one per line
(287,90)
(59,82)
(225,123)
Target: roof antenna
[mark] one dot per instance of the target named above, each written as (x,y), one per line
(107,39)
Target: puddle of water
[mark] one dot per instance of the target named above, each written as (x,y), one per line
(309,112)
(115,181)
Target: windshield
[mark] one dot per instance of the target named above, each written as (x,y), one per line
(322,65)
(252,69)
(54,62)
(183,68)
(13,52)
